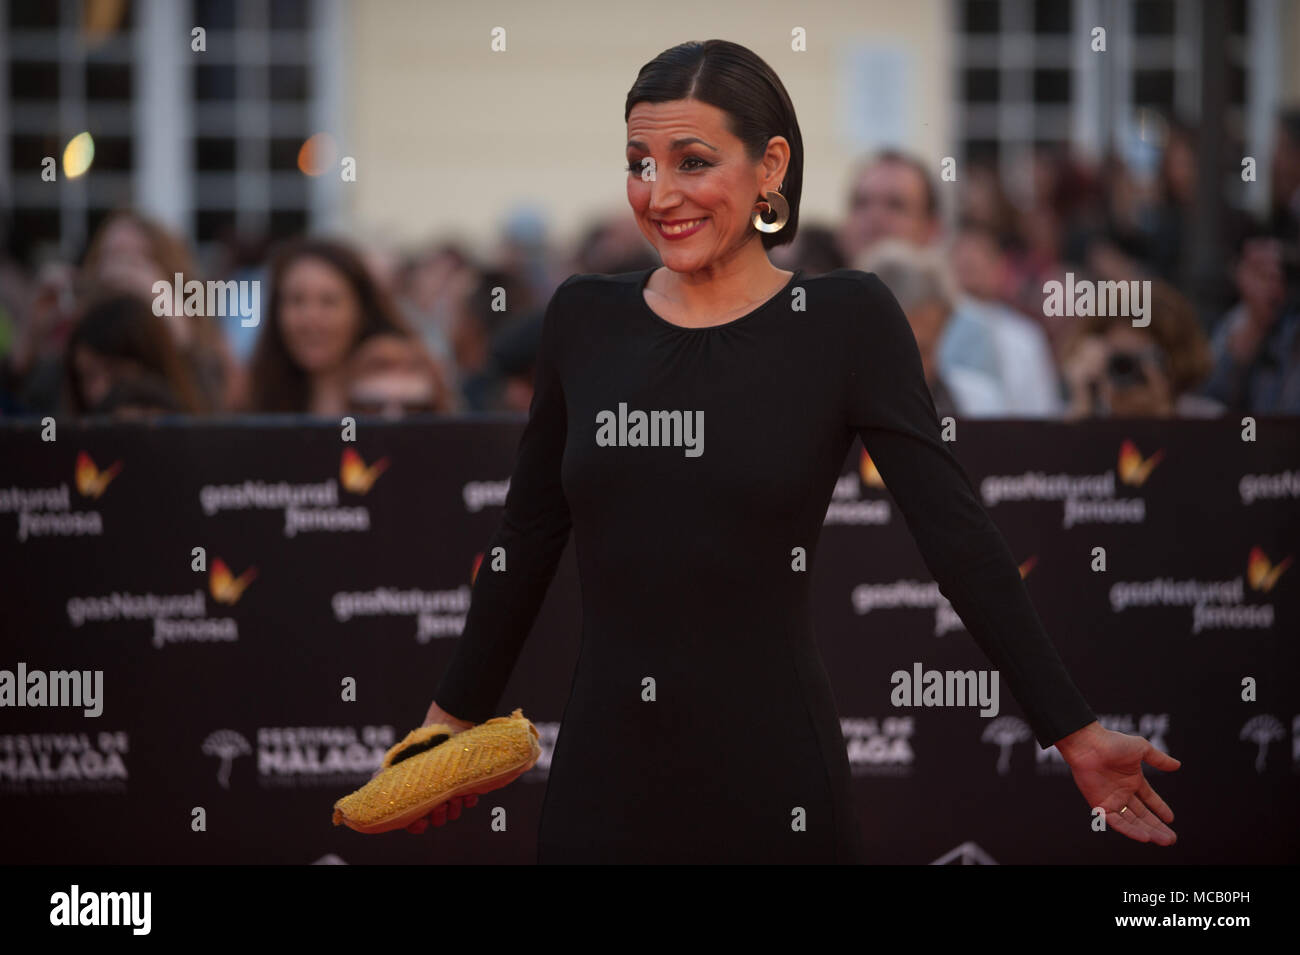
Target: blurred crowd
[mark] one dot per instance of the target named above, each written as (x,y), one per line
(361,328)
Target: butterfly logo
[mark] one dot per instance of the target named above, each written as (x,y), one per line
(355,476)
(867,470)
(91,481)
(226,588)
(1261,572)
(1133,468)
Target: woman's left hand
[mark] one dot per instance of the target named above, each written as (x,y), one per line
(1107,768)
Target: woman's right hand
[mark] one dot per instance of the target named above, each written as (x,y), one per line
(452,808)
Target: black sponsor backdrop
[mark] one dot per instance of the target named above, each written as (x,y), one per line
(928,793)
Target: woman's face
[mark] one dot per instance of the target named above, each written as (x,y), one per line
(320,316)
(125,239)
(126,260)
(703,183)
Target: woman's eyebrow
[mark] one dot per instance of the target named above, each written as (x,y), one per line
(675,144)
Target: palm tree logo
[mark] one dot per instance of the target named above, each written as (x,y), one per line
(226,745)
(1004,731)
(1262,730)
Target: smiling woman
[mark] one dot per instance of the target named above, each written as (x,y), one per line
(696,172)
(700,725)
(323,303)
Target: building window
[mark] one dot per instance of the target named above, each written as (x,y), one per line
(252,110)
(68,72)
(206,141)
(1025,74)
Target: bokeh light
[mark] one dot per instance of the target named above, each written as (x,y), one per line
(317,154)
(100,20)
(78,155)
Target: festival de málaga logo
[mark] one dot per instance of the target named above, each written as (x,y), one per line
(879,746)
(33,763)
(47,511)
(1216,605)
(307,508)
(295,756)
(918,594)
(1085,498)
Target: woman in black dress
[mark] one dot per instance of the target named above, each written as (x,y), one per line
(688,425)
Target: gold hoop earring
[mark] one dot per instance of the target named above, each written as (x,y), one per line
(775,202)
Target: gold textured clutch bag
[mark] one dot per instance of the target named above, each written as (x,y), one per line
(436,763)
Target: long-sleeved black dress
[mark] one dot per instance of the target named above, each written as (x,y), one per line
(686,542)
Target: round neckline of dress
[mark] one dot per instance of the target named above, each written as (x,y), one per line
(645,279)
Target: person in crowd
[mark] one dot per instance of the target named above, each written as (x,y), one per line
(892,196)
(130,253)
(522,251)
(984,202)
(1283,220)
(34,372)
(613,245)
(1284,179)
(1115,368)
(1172,220)
(514,355)
(241,256)
(895,196)
(924,289)
(117,341)
(323,301)
(1171,214)
(1101,256)
(142,397)
(394,375)
(815,250)
(478,321)
(432,283)
(1027,371)
(1256,345)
